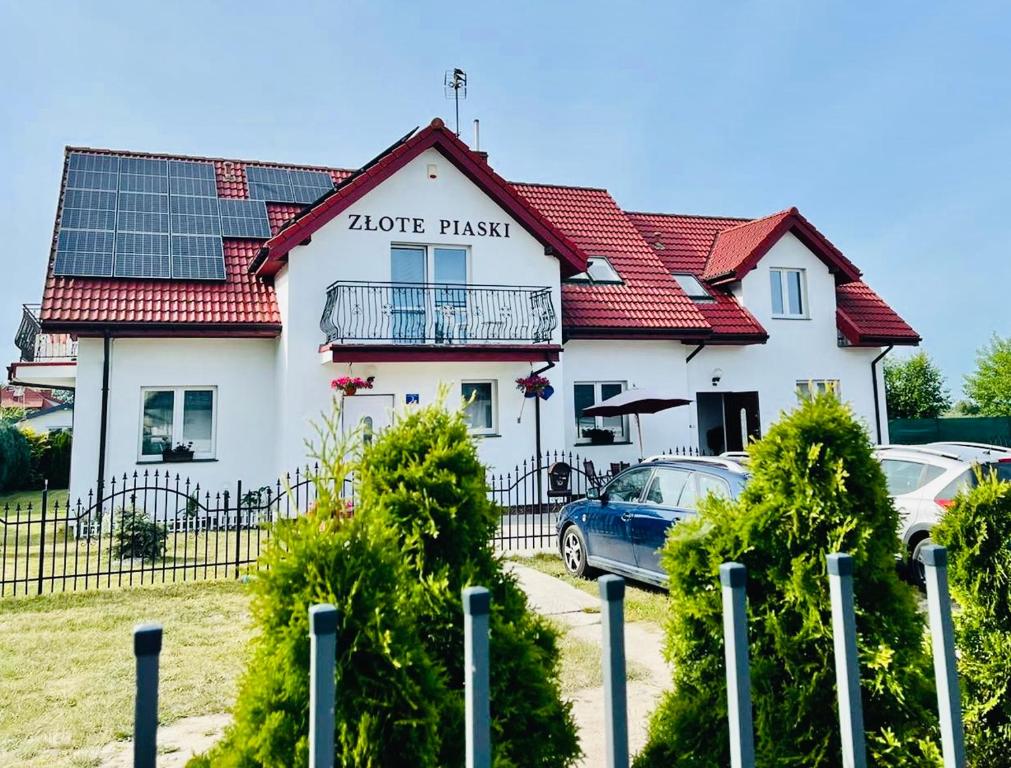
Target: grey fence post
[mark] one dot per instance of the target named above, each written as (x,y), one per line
(735,636)
(847,662)
(942,639)
(612,596)
(476,605)
(322,684)
(146,647)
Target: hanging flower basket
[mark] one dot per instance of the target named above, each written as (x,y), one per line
(350,385)
(535,386)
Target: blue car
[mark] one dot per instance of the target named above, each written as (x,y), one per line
(622,526)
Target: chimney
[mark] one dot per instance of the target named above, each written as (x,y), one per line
(477,141)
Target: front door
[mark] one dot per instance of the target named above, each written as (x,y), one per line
(371,413)
(727,420)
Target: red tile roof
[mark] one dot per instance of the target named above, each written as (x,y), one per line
(648,301)
(683,243)
(865,319)
(26,398)
(644,249)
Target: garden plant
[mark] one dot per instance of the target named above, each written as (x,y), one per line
(815,488)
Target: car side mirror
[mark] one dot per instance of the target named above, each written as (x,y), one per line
(592,493)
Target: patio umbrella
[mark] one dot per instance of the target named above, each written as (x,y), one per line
(634,402)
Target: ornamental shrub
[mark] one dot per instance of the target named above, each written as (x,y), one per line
(388,690)
(15,459)
(976,529)
(815,488)
(138,536)
(423,478)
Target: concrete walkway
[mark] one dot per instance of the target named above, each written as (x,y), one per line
(580,613)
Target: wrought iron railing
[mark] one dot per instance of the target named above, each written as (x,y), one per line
(37,346)
(437,313)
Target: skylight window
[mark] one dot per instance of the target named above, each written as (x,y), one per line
(598,270)
(693,288)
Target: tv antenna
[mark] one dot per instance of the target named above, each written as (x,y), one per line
(455,85)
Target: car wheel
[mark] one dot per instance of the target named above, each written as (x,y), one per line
(917,570)
(574,552)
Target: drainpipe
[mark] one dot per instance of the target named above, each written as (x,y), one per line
(537,430)
(106,345)
(874,382)
(693,353)
(690,418)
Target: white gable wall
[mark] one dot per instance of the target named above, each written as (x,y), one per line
(337,252)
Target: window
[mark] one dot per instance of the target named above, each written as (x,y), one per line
(700,486)
(788,299)
(628,485)
(598,270)
(666,486)
(805,389)
(480,410)
(412,268)
(180,415)
(693,288)
(590,393)
(907,476)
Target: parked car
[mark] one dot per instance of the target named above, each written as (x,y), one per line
(923,480)
(622,526)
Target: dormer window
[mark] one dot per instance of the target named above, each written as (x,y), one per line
(789,299)
(598,271)
(693,288)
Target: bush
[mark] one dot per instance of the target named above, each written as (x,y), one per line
(815,488)
(50,458)
(976,530)
(388,689)
(15,459)
(423,478)
(137,536)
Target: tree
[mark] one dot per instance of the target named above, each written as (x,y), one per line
(989,387)
(915,388)
(815,488)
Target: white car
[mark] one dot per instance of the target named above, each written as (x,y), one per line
(924,479)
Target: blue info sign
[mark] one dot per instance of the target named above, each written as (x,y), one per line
(412,398)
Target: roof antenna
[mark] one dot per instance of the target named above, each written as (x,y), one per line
(455,86)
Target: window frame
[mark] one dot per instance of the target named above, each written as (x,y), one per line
(699,298)
(783,272)
(178,421)
(598,421)
(493,429)
(429,249)
(584,278)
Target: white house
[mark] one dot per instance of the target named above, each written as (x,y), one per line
(214,301)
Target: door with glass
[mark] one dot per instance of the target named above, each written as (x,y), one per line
(449,266)
(408,269)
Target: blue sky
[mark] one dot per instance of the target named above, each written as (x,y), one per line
(887,124)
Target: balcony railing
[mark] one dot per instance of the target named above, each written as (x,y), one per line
(437,313)
(36,346)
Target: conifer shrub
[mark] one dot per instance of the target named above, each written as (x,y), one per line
(388,691)
(15,458)
(815,488)
(423,477)
(976,530)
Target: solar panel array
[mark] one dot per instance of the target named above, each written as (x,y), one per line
(146,217)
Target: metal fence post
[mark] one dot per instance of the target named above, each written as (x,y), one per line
(146,647)
(238,526)
(942,640)
(322,684)
(476,606)
(847,662)
(735,636)
(612,596)
(42,534)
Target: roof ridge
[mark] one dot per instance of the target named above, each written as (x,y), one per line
(557,186)
(742,219)
(202,158)
(791,210)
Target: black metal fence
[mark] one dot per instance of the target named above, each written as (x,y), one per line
(156,526)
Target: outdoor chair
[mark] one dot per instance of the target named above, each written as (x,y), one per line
(615,468)
(593,480)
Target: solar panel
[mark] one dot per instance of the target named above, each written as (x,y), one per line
(192,178)
(92,171)
(85,253)
(309,186)
(196,257)
(88,209)
(244,218)
(194,215)
(142,254)
(143,174)
(140,212)
(273,184)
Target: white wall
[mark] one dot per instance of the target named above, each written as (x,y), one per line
(62,418)
(241,369)
(339,253)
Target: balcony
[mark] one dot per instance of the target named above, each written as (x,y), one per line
(47,359)
(440,321)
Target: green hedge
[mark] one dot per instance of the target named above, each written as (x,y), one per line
(815,488)
(15,459)
(977,531)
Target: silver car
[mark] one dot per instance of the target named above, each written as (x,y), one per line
(923,480)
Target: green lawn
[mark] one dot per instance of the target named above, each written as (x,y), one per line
(642,602)
(67,666)
(24,498)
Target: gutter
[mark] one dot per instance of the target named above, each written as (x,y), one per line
(103,428)
(874,382)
